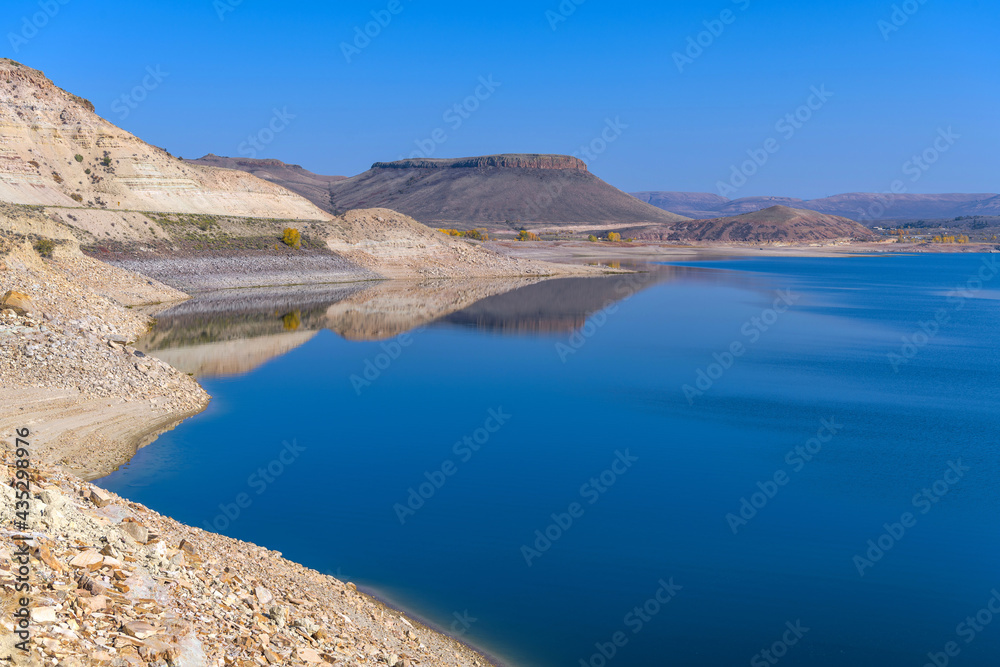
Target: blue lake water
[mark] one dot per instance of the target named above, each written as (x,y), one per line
(582,392)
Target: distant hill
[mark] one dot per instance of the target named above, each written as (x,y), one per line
(863,206)
(494,190)
(774,224)
(55,151)
(314,187)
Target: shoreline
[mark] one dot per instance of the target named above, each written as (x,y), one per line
(491,657)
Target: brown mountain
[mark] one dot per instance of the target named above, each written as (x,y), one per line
(314,187)
(867,206)
(494,190)
(774,224)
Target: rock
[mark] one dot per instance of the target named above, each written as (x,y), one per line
(136,531)
(308,655)
(19,302)
(264,596)
(45,555)
(87,559)
(43,614)
(139,629)
(100,497)
(188,547)
(92,604)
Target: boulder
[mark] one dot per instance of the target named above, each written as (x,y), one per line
(19,302)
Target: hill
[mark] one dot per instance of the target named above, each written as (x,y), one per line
(314,187)
(864,206)
(495,191)
(57,152)
(774,224)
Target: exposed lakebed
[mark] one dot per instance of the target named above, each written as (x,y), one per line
(689,466)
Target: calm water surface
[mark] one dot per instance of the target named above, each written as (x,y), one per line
(584,388)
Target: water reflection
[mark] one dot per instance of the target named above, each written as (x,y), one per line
(233,331)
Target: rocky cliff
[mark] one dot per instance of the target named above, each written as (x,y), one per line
(511,161)
(54,150)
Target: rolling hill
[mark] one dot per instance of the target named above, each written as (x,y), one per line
(314,187)
(855,205)
(774,224)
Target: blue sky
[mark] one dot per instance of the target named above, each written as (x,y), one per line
(560,72)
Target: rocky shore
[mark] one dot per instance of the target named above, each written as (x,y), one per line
(114,583)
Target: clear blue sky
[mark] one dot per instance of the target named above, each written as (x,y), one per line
(606,60)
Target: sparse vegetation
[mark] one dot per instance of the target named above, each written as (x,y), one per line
(477,234)
(56,177)
(292,321)
(291,237)
(75,197)
(45,247)
(525,235)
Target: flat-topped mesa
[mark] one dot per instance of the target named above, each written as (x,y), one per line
(505,161)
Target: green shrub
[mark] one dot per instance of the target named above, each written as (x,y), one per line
(45,247)
(75,197)
(78,157)
(525,235)
(614,237)
(592,238)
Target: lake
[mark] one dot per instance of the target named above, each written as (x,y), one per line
(724,462)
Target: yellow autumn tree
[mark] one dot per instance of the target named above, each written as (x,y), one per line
(292,238)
